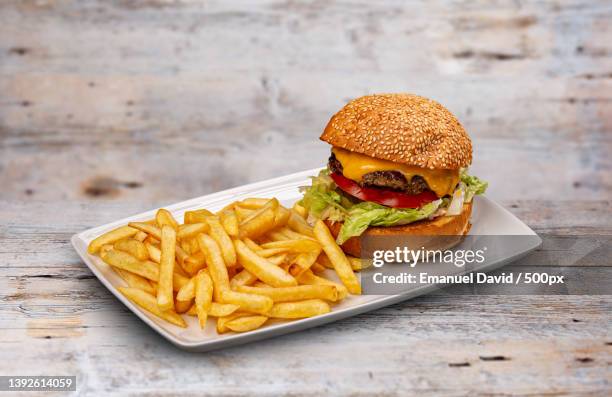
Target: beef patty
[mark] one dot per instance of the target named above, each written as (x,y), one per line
(393,180)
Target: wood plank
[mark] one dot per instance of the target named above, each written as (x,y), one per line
(438,344)
(226,94)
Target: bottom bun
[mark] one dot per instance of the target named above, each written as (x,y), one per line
(458,225)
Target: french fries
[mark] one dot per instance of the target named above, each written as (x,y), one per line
(218,233)
(309,278)
(299,224)
(135,281)
(299,209)
(191,230)
(198,216)
(248,302)
(149,303)
(216,309)
(216,266)
(301,309)
(165,218)
(165,300)
(294,245)
(260,221)
(251,261)
(300,292)
(133,247)
(151,230)
(262,268)
(125,261)
(247,323)
(110,237)
(230,222)
(337,257)
(203,296)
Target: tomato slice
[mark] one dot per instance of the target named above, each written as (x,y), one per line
(390,198)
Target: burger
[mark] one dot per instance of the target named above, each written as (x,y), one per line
(398,166)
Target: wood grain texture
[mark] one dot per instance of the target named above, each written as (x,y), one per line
(55,313)
(123,99)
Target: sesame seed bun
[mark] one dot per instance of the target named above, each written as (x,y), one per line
(458,225)
(403,128)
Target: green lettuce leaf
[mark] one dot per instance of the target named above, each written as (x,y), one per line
(366,214)
(473,185)
(321,199)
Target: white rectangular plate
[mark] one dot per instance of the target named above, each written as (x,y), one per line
(488,218)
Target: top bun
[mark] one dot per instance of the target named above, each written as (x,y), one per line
(403,128)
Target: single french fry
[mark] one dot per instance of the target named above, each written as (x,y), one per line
(110,238)
(190,230)
(268,252)
(300,309)
(163,217)
(230,222)
(247,323)
(154,252)
(151,230)
(217,232)
(262,268)
(248,302)
(125,261)
(140,236)
(216,309)
(300,210)
(203,296)
(309,278)
(187,291)
(197,216)
(297,293)
(299,224)
(244,277)
(253,203)
(134,280)
(258,225)
(165,299)
(221,321)
(252,244)
(133,247)
(222,309)
(149,303)
(337,257)
(216,266)
(182,306)
(301,245)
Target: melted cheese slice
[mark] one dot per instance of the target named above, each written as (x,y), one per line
(356,165)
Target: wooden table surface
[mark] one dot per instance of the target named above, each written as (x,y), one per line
(111,108)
